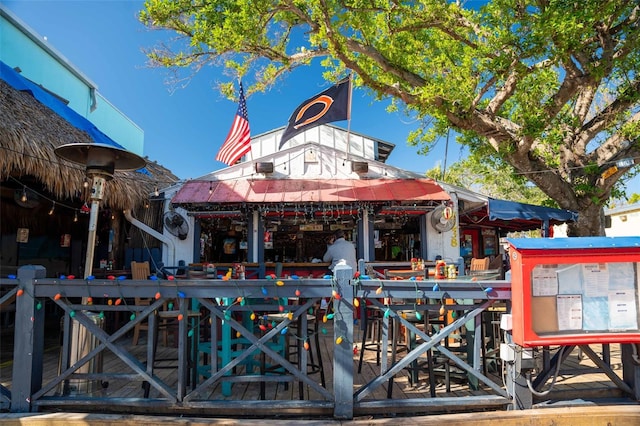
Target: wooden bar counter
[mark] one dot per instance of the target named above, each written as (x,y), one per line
(258,270)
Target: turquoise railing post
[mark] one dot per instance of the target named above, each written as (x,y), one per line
(343,343)
(29,341)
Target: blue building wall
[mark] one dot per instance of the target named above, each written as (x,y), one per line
(21,47)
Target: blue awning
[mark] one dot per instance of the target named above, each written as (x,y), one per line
(18,82)
(575,243)
(511,210)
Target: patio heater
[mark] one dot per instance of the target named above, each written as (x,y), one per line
(101,161)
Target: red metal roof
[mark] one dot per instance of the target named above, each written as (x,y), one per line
(309,190)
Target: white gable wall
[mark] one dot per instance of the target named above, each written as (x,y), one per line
(329,136)
(310,161)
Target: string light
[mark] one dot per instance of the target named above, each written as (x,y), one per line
(25,196)
(75,216)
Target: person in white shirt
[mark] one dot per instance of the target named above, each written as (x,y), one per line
(341,251)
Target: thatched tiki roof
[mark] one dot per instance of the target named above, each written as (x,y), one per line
(29,134)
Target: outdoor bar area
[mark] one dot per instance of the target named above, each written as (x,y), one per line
(234,309)
(124,290)
(273,214)
(384,218)
(243,315)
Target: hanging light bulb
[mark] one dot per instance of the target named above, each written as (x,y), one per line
(155,191)
(53,207)
(146,205)
(24,195)
(210,189)
(75,216)
(85,184)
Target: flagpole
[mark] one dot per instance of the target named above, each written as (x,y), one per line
(251,150)
(349,114)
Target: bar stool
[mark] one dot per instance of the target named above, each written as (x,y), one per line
(371,327)
(170,318)
(294,351)
(429,320)
(411,342)
(227,349)
(372,322)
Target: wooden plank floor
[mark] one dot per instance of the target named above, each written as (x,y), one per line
(566,387)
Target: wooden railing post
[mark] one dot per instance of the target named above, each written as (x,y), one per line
(28,346)
(343,343)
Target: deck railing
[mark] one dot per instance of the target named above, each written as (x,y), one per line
(84,300)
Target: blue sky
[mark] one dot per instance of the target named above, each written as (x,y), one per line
(185,127)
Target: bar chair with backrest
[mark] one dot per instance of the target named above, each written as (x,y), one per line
(479,264)
(140,271)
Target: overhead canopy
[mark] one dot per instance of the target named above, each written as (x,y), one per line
(510,210)
(310,191)
(514,216)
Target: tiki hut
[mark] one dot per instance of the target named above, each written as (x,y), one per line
(47,196)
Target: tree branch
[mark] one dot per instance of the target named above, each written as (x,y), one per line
(608,115)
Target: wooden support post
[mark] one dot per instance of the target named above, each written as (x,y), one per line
(343,352)
(29,341)
(183,348)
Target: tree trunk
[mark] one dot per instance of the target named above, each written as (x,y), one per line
(590,222)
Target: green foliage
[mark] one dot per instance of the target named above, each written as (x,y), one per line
(550,88)
(634,198)
(493,178)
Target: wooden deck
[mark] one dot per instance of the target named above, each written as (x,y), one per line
(476,380)
(584,382)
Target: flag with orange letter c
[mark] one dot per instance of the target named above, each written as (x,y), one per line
(334,104)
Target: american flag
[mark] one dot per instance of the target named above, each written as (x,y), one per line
(238,142)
